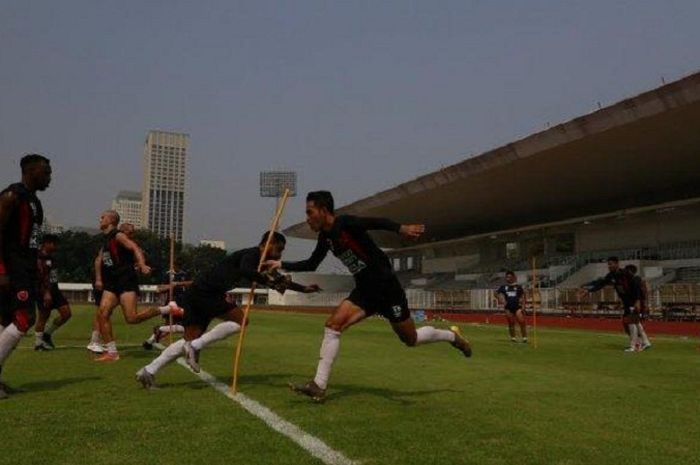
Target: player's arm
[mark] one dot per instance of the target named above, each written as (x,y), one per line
(410,231)
(521,297)
(130,245)
(501,296)
(8,202)
(98,270)
(595,285)
(309,264)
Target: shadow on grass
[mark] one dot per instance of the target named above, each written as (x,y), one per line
(53,384)
(340,391)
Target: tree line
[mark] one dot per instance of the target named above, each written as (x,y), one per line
(77,251)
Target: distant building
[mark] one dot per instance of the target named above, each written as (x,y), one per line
(128,205)
(163,190)
(216,244)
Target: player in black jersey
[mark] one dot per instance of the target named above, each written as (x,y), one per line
(629,292)
(512,297)
(377,289)
(643,305)
(119,259)
(206,299)
(21,217)
(50,295)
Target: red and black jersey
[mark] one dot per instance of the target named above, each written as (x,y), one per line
(117,261)
(350,242)
(21,236)
(627,288)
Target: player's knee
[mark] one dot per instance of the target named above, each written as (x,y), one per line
(131,318)
(23,320)
(334,325)
(409,340)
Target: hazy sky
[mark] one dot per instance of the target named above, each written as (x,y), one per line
(355,96)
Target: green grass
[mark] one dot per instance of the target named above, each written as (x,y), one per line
(577,399)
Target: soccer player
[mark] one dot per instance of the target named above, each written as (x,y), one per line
(181,280)
(377,289)
(628,291)
(512,297)
(118,261)
(206,299)
(21,217)
(643,305)
(50,295)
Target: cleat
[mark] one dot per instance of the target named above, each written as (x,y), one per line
(524,341)
(158,334)
(631,349)
(48,341)
(192,357)
(42,347)
(175,311)
(147,380)
(460,342)
(310,389)
(646,347)
(512,339)
(96,348)
(147,345)
(108,357)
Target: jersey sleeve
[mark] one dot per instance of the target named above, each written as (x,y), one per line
(372,224)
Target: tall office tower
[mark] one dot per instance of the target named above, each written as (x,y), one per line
(163,192)
(128,205)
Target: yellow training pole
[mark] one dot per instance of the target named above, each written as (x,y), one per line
(251,294)
(171,278)
(535,286)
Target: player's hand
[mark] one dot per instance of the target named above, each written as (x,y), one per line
(47,300)
(311,288)
(412,231)
(272,265)
(144,269)
(99,285)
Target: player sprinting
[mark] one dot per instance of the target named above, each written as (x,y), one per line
(118,261)
(21,217)
(207,299)
(377,289)
(50,296)
(512,297)
(628,291)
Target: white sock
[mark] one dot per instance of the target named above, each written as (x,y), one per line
(643,335)
(633,335)
(38,338)
(218,332)
(95,338)
(176,329)
(428,334)
(329,350)
(171,353)
(112,347)
(8,341)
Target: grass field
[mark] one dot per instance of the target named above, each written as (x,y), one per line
(577,399)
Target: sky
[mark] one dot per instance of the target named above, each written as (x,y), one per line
(356,96)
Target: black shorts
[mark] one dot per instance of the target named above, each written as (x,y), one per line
(513,310)
(121,284)
(387,299)
(201,307)
(58,300)
(18,304)
(97,295)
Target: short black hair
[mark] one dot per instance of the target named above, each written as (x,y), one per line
(509,272)
(50,238)
(322,199)
(30,159)
(276,237)
(631,268)
(613,259)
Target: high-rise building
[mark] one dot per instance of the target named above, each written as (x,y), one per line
(128,205)
(163,191)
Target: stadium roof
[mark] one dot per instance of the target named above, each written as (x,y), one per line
(641,151)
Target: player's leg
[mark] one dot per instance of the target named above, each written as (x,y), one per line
(345,315)
(23,309)
(108,303)
(522,322)
(217,308)
(510,317)
(405,329)
(42,316)
(64,314)
(129,303)
(631,325)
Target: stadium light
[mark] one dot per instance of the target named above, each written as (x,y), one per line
(274,183)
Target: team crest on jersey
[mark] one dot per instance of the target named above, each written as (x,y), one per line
(23,296)
(396,309)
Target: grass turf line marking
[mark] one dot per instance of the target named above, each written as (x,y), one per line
(309,443)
